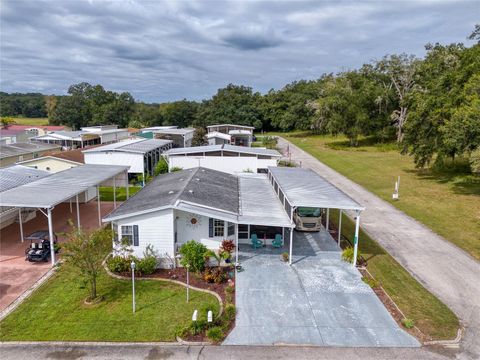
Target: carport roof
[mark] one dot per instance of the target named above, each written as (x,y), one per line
(59,187)
(304,187)
(259,205)
(17,175)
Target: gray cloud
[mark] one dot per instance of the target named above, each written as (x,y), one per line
(167,50)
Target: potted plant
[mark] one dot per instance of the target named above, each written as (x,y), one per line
(226,249)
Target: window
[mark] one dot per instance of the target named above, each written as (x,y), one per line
(20,158)
(130,232)
(216,228)
(231,229)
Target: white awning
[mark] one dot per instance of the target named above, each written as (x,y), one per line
(304,187)
(259,205)
(59,187)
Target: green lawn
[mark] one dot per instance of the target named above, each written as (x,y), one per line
(431,316)
(31,121)
(448,202)
(56,312)
(106,193)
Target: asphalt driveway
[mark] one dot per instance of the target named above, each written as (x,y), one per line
(319,300)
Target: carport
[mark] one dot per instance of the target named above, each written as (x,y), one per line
(297,187)
(44,194)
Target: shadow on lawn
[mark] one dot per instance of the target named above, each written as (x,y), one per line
(461,181)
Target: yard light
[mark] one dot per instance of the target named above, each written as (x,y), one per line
(195,315)
(188,282)
(209,316)
(132,265)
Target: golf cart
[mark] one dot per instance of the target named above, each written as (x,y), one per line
(39,249)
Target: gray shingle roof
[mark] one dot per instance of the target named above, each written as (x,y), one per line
(200,186)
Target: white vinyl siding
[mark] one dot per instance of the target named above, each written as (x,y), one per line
(155,229)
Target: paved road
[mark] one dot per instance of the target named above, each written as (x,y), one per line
(443,268)
(156,351)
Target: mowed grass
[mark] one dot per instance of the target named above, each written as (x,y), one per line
(57,311)
(448,202)
(430,315)
(31,121)
(106,192)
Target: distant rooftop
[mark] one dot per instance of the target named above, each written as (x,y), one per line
(131,146)
(18,149)
(232,125)
(223,147)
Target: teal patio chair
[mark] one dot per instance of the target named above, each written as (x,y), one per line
(255,242)
(278,241)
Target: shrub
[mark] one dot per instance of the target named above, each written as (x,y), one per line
(193,255)
(229,312)
(215,334)
(285,256)
(208,276)
(373,283)
(229,289)
(196,327)
(120,264)
(215,275)
(161,167)
(347,254)
(176,168)
(408,323)
(228,246)
(148,263)
(286,163)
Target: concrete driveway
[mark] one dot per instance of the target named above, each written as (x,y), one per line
(319,300)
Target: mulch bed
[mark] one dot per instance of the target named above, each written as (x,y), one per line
(393,310)
(196,280)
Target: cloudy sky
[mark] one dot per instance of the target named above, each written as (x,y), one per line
(168,50)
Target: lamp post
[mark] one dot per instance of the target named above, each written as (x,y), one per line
(132,265)
(188,280)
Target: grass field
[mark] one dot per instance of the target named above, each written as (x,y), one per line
(106,193)
(56,311)
(431,316)
(448,202)
(30,121)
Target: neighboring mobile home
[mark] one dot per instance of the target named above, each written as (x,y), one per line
(13,153)
(227,158)
(239,135)
(142,155)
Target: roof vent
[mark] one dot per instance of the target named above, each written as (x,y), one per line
(190,191)
(171,192)
(198,179)
(181,179)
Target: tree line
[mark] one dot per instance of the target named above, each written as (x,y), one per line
(429,106)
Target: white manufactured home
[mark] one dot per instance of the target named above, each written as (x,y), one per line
(141,155)
(209,206)
(227,158)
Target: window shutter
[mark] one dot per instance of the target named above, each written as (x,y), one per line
(135,235)
(210,227)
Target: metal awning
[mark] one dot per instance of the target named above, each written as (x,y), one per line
(304,187)
(259,205)
(59,187)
